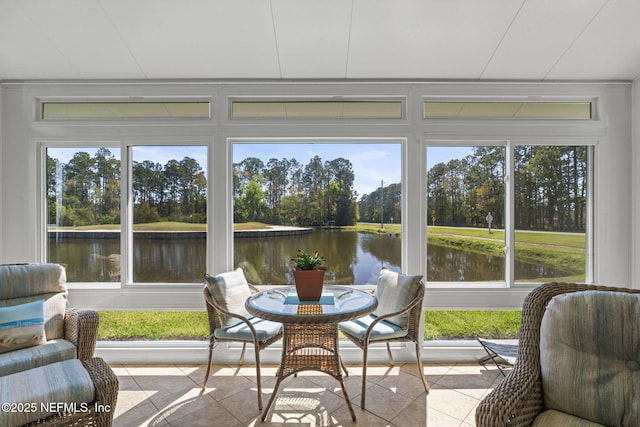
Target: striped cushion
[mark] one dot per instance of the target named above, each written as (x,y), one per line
(265,329)
(21,326)
(557,418)
(27,358)
(65,382)
(229,290)
(382,330)
(21,284)
(24,280)
(394,292)
(590,356)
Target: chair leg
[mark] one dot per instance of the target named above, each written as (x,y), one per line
(344,368)
(257,350)
(244,346)
(389,353)
(364,375)
(206,376)
(420,369)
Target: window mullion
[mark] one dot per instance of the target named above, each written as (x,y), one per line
(126,223)
(509,248)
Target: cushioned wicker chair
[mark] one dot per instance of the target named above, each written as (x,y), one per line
(46,352)
(67,333)
(588,367)
(225,295)
(397,318)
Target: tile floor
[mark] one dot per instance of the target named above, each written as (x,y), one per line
(169,395)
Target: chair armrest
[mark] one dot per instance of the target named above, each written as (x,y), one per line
(415,301)
(106,386)
(81,329)
(516,401)
(209,300)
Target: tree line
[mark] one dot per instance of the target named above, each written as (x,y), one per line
(550,194)
(550,188)
(86,190)
(283,191)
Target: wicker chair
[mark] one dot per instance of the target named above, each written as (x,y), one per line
(225,295)
(70,333)
(518,399)
(380,327)
(68,338)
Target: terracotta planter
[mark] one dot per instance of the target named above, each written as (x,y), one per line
(309,284)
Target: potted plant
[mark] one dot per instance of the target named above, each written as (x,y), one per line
(308,274)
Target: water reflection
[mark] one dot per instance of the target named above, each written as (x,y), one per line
(351,257)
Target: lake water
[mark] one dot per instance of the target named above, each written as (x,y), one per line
(351,258)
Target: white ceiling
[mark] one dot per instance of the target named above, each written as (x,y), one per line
(537,40)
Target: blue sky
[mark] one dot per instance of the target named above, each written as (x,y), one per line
(372,162)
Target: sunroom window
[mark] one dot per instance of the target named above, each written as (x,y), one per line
(341,199)
(507,110)
(466,215)
(324,109)
(83,212)
(168,190)
(472,238)
(551,213)
(169,186)
(125,110)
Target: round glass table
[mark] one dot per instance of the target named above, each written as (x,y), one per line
(310,329)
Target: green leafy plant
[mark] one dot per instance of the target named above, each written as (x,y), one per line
(307,261)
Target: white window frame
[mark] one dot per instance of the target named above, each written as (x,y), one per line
(509,208)
(607,98)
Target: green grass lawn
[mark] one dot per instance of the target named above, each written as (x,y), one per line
(153,325)
(193,325)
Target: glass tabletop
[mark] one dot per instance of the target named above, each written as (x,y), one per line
(338,303)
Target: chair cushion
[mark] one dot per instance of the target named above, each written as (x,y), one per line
(65,383)
(24,280)
(265,329)
(557,418)
(394,292)
(21,326)
(25,283)
(229,290)
(382,330)
(589,356)
(27,358)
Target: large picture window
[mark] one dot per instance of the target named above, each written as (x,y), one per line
(341,199)
(168,189)
(469,233)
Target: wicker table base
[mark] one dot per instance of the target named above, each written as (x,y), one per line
(310,348)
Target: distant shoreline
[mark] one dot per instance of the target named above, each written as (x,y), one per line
(271,231)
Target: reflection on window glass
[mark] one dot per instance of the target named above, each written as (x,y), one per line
(507,110)
(124,110)
(317,110)
(465,232)
(342,200)
(169,213)
(83,212)
(550,212)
